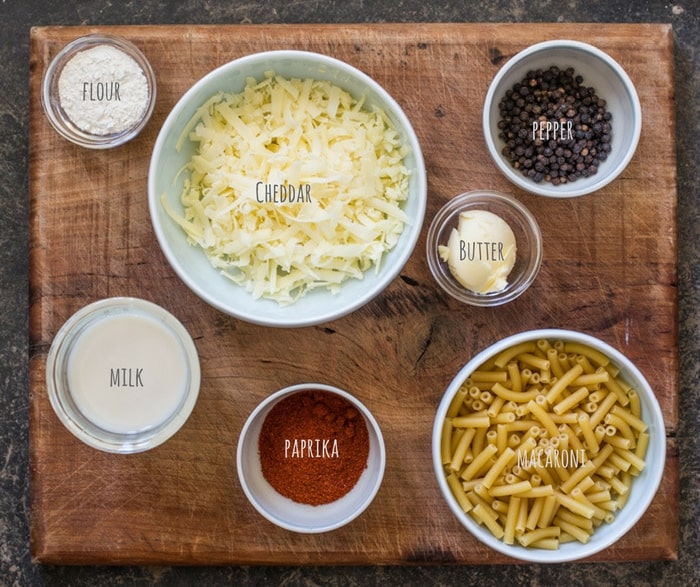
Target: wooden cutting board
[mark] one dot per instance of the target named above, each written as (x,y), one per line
(609,270)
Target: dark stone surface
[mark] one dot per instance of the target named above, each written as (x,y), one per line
(16,18)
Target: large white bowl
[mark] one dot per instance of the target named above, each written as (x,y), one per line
(644,486)
(191,264)
(299,517)
(599,71)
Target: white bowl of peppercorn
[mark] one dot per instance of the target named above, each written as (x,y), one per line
(562,119)
(311,458)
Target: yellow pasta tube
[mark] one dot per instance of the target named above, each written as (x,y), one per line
(602,456)
(614,386)
(457,401)
(622,426)
(460,452)
(619,462)
(582,349)
(490,376)
(642,445)
(501,437)
(537,492)
(538,412)
(458,492)
(522,514)
(603,408)
(584,423)
(585,484)
(479,511)
(534,361)
(477,499)
(577,476)
(574,441)
(618,484)
(510,489)
(563,382)
(497,468)
(546,544)
(495,406)
(506,355)
(580,521)
(553,357)
(548,510)
(477,420)
(578,533)
(511,519)
(595,378)
(479,440)
(585,363)
(514,376)
(483,492)
(446,441)
(480,460)
(571,400)
(514,396)
(499,506)
(631,419)
(504,418)
(543,345)
(635,404)
(631,458)
(618,441)
(574,505)
(539,534)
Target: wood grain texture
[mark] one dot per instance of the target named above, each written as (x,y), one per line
(609,270)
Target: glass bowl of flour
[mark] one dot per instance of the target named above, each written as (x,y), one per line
(99,91)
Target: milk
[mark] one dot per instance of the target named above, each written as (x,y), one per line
(127,373)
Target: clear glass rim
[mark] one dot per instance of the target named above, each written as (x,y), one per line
(52,107)
(527,225)
(59,392)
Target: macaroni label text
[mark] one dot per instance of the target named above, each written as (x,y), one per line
(540,457)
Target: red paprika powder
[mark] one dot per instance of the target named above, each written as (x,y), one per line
(313,446)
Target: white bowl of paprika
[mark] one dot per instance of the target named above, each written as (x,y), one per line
(311,458)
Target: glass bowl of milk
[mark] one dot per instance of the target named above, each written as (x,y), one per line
(123,375)
(484,248)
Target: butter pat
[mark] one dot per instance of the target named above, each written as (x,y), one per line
(480,252)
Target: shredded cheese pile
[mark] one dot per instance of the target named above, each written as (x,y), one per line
(309,136)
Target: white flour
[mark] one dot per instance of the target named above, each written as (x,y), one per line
(103,90)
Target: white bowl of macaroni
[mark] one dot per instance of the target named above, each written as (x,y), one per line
(549,445)
(287,188)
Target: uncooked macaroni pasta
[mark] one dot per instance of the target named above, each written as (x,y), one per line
(541,443)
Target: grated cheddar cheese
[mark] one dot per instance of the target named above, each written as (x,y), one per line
(293,186)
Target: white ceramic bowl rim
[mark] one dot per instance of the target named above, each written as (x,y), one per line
(288,514)
(582,186)
(626,518)
(317,306)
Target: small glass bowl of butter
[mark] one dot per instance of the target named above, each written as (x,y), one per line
(484,248)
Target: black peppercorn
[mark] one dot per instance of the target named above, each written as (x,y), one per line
(554,128)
